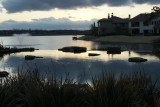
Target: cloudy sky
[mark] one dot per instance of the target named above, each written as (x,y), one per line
(66,14)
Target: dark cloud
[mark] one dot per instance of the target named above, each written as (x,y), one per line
(109,2)
(46,23)
(13,6)
(146,1)
(28,5)
(1,8)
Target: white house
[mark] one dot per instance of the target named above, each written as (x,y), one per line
(143,24)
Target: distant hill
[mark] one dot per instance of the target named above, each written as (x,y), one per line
(44,32)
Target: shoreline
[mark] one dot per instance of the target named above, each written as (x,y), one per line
(122,39)
(40,35)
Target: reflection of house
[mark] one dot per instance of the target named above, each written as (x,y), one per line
(143,24)
(113,25)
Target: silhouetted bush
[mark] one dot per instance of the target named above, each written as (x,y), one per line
(31,89)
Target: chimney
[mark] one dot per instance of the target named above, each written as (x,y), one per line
(108,16)
(129,17)
(112,15)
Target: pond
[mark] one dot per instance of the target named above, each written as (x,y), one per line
(79,66)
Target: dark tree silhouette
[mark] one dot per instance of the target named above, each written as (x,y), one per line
(94,29)
(155,9)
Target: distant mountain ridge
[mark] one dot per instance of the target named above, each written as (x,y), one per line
(44,32)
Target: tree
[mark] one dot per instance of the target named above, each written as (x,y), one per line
(155,9)
(94,29)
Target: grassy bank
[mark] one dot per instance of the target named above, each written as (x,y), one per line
(30,89)
(122,39)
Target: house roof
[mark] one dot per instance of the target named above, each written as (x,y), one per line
(143,17)
(119,20)
(140,17)
(103,20)
(114,19)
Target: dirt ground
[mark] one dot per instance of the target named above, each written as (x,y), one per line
(122,39)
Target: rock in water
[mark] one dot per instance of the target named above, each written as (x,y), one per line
(137,59)
(114,50)
(93,54)
(30,57)
(3,74)
(73,49)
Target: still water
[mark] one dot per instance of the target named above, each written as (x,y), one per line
(77,65)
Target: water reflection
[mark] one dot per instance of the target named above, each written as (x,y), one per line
(128,47)
(78,65)
(44,42)
(149,54)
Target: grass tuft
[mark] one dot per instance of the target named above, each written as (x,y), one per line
(31,89)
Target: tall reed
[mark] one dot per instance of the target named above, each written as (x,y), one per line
(31,89)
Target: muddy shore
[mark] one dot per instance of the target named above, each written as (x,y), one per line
(122,39)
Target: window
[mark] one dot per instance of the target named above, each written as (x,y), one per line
(146,31)
(102,29)
(145,24)
(135,24)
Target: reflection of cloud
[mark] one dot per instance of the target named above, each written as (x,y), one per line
(77,67)
(47,23)
(55,54)
(13,6)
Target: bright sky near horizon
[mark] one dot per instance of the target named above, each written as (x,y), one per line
(66,14)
